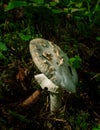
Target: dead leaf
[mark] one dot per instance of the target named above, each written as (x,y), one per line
(21,74)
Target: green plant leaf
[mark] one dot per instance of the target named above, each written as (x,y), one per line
(22,118)
(38,1)
(78,4)
(97,8)
(75,61)
(98,38)
(3,47)
(53,4)
(26,37)
(98,128)
(66,10)
(57,11)
(1,56)
(15,4)
(77,9)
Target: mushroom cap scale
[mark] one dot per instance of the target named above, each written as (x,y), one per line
(53,63)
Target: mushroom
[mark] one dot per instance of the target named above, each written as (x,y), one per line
(56,72)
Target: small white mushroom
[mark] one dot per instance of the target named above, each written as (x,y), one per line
(57,73)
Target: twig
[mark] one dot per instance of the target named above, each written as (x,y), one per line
(31,99)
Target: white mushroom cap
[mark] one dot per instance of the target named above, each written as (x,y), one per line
(53,63)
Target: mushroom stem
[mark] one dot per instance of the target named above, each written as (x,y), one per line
(55,101)
(55,91)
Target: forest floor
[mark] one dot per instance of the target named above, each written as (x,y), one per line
(80,111)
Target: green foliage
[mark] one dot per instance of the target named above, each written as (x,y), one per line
(82,11)
(97,128)
(98,38)
(38,1)
(25,34)
(18,116)
(84,14)
(53,4)
(80,121)
(15,4)
(3,48)
(75,61)
(24,37)
(57,11)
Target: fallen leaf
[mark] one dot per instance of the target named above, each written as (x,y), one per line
(21,74)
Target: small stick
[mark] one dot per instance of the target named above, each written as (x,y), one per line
(31,99)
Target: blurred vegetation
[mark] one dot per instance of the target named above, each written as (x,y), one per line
(74,25)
